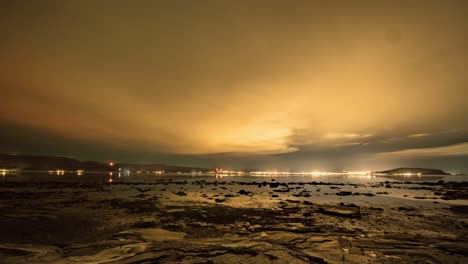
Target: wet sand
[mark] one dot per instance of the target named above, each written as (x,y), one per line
(229,221)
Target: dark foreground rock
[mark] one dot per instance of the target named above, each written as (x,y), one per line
(114,224)
(341,210)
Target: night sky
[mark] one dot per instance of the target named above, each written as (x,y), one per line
(303,85)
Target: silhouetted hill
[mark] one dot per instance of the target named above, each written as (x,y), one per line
(44,163)
(423,171)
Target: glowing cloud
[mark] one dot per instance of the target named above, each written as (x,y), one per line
(453,150)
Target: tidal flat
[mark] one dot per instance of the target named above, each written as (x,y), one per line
(183,219)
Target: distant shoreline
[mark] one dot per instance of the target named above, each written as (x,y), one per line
(31,163)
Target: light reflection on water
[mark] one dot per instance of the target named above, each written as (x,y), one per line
(322,190)
(87,177)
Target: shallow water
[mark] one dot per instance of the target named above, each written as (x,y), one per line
(90,177)
(365,189)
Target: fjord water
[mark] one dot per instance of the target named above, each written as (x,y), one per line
(358,189)
(98,177)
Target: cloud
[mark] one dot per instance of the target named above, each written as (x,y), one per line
(244,77)
(460,149)
(419,135)
(345,135)
(351,144)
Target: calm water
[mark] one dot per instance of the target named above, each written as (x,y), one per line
(73,177)
(404,194)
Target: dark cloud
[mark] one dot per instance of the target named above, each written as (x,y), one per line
(307,84)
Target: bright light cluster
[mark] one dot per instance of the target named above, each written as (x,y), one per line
(407,174)
(4,172)
(287,173)
(312,173)
(226,172)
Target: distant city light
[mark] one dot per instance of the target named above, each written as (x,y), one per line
(111,164)
(407,174)
(287,173)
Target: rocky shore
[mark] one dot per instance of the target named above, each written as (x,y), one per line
(199,221)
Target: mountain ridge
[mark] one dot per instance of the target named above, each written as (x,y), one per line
(43,163)
(421,171)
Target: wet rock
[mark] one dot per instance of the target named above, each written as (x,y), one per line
(343,193)
(401,208)
(459,194)
(142,190)
(141,195)
(459,209)
(199,224)
(282,190)
(175,210)
(341,210)
(112,253)
(292,227)
(255,227)
(244,192)
(145,224)
(155,234)
(241,250)
(274,185)
(344,243)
